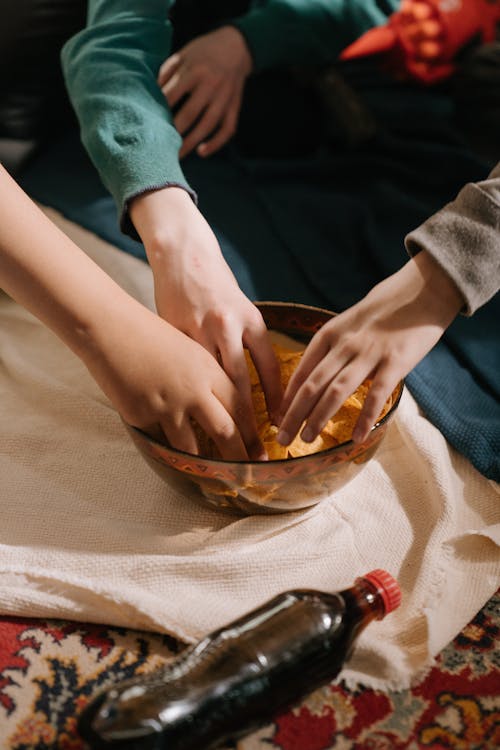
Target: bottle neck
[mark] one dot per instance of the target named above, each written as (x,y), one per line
(365,601)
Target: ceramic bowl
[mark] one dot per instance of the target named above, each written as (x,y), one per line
(293,484)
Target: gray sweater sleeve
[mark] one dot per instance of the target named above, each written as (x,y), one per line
(464,238)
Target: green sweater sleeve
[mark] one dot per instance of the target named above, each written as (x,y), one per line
(307,32)
(110,69)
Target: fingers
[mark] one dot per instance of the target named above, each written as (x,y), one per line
(259,345)
(309,403)
(168,68)
(179,433)
(313,355)
(235,366)
(325,390)
(178,85)
(322,394)
(225,131)
(208,117)
(335,394)
(384,382)
(208,121)
(194,108)
(216,421)
(209,124)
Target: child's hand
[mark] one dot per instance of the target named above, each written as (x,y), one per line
(383,336)
(206,78)
(157,376)
(197,293)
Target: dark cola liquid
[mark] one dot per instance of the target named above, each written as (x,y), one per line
(238,678)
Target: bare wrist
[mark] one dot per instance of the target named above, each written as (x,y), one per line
(439,283)
(159,214)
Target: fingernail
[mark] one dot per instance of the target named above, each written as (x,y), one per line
(307,435)
(283,437)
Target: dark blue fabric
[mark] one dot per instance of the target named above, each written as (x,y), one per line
(324,229)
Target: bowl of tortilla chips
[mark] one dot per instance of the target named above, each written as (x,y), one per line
(296,476)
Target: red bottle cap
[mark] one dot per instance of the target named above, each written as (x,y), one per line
(388,588)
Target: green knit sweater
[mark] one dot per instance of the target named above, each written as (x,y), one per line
(111,67)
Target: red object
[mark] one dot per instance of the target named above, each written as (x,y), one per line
(387,587)
(423,38)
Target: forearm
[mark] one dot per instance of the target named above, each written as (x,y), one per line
(50,276)
(308,32)
(443,299)
(180,246)
(464,239)
(110,70)
(127,349)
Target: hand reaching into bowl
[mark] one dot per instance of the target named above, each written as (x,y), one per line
(382,337)
(154,375)
(196,292)
(157,377)
(389,331)
(205,81)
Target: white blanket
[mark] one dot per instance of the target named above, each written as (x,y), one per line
(89,532)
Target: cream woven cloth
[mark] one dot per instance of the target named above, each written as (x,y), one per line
(89,532)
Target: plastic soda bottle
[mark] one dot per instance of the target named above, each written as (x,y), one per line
(240,677)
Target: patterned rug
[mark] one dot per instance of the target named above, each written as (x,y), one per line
(50,669)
